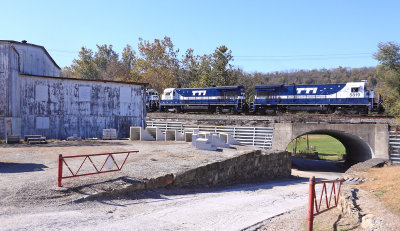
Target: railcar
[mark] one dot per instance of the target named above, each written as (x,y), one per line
(213,99)
(349,98)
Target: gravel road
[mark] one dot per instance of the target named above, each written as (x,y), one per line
(230,208)
(29,199)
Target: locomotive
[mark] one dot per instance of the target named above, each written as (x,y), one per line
(213,99)
(348,98)
(152,100)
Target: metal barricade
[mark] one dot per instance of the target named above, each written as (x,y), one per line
(109,160)
(312,199)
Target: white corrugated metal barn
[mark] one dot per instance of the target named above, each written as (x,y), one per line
(34,100)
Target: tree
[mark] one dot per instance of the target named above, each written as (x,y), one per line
(158,64)
(221,67)
(85,67)
(191,72)
(388,56)
(129,70)
(107,62)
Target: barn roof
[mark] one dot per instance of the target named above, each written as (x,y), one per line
(33,45)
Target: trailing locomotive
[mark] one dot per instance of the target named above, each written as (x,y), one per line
(213,99)
(152,100)
(349,98)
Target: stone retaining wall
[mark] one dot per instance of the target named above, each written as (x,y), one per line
(248,167)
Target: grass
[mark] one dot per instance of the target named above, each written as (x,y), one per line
(328,148)
(386,186)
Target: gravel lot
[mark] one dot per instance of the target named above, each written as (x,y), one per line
(29,172)
(31,200)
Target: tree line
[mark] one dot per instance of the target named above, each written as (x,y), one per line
(158,64)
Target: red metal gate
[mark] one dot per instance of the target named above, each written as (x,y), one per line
(109,159)
(312,199)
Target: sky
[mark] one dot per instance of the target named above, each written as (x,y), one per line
(264,36)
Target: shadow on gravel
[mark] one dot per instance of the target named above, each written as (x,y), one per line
(21,167)
(158,195)
(318,165)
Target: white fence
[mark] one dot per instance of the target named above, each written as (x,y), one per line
(254,136)
(394,147)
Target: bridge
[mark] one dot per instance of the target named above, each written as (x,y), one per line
(363,137)
(361,141)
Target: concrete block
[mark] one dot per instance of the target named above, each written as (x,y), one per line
(109,134)
(188,136)
(179,136)
(217,141)
(194,138)
(229,139)
(170,135)
(156,133)
(205,144)
(138,133)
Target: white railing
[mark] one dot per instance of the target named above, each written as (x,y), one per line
(254,136)
(394,147)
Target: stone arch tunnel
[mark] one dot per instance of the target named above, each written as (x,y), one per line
(361,141)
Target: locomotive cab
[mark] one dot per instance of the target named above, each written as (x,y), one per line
(169,94)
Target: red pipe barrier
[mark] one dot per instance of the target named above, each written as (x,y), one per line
(312,199)
(62,162)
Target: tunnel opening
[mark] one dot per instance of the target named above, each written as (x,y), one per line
(329,150)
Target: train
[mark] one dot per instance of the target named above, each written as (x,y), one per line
(213,99)
(347,98)
(152,100)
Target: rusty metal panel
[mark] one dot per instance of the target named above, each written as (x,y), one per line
(79,107)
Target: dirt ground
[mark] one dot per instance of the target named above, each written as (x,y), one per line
(371,212)
(28,176)
(28,173)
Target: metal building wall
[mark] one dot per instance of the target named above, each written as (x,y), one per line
(58,107)
(35,61)
(9,91)
(4,50)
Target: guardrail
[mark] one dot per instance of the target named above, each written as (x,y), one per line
(255,136)
(312,199)
(109,165)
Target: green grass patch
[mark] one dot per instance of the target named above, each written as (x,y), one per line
(326,146)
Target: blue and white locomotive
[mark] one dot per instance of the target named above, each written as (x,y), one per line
(213,99)
(152,100)
(352,98)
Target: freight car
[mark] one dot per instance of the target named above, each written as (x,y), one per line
(214,99)
(349,98)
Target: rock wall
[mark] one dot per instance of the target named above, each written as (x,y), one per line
(254,165)
(248,167)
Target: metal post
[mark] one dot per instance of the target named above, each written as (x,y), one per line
(311,195)
(60,165)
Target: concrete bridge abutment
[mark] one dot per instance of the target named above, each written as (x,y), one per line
(362,141)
